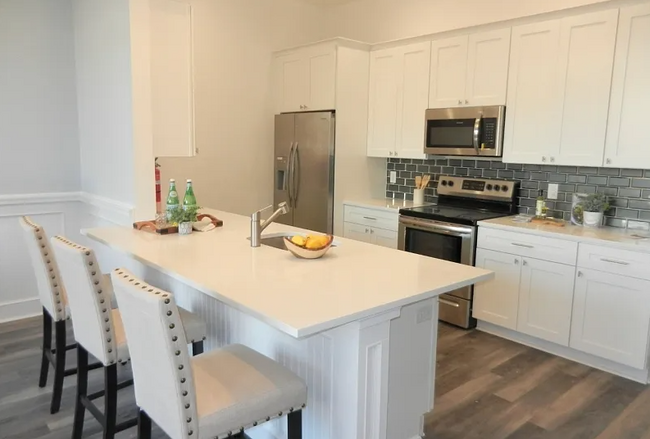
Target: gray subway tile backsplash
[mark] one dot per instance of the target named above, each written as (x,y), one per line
(628,189)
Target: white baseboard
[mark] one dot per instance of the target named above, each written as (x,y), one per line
(628,372)
(20,309)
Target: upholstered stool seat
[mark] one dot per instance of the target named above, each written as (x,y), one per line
(218,394)
(237,387)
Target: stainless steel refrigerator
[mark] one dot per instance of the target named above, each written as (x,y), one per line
(304,169)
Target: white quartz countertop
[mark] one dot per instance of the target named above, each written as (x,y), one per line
(609,236)
(390,204)
(299,297)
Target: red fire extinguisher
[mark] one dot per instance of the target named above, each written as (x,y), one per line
(159,210)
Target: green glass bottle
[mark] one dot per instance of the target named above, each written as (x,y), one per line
(172,198)
(189,200)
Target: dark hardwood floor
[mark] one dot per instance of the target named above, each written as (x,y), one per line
(486,388)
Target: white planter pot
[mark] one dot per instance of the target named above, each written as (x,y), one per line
(593,219)
(185,228)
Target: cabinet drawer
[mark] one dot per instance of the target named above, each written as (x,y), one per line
(533,246)
(372,217)
(613,260)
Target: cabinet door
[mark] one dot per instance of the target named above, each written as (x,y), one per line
(585,77)
(532,123)
(413,100)
(545,300)
(382,111)
(385,238)
(448,72)
(628,135)
(497,300)
(487,68)
(610,317)
(357,232)
(290,84)
(172,79)
(321,78)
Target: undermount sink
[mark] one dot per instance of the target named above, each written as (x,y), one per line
(275,241)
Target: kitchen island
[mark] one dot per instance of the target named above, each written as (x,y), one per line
(359,325)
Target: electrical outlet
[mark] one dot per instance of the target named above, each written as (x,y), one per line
(393,177)
(424,314)
(552,191)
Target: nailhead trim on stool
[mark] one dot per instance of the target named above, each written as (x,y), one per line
(92,268)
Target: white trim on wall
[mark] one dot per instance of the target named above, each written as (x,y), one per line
(19,309)
(107,209)
(24,199)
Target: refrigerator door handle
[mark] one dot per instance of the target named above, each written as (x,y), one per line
(290,171)
(295,175)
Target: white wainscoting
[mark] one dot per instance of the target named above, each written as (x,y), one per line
(60,214)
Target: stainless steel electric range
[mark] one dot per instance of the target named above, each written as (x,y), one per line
(448,230)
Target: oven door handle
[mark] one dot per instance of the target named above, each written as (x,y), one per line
(477,134)
(436,227)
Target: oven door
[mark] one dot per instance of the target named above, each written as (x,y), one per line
(451,242)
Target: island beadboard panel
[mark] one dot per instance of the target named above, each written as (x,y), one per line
(628,189)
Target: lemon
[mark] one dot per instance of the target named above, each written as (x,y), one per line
(299,240)
(315,242)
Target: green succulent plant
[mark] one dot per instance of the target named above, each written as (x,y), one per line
(187,215)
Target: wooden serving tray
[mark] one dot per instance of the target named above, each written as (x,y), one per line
(549,222)
(151,227)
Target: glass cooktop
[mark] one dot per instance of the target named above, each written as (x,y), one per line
(452,214)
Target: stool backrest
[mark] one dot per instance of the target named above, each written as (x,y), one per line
(89,299)
(48,280)
(162,371)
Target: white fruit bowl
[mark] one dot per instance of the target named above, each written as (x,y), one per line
(306,253)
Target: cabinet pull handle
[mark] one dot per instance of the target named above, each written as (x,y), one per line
(448,302)
(609,161)
(370,218)
(521,245)
(395,153)
(466,101)
(552,159)
(525,262)
(516,261)
(543,159)
(612,261)
(460,102)
(366,230)
(579,273)
(372,231)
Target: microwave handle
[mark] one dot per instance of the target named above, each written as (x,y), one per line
(477,134)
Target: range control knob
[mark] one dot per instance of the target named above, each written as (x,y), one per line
(444,182)
(504,188)
(451,183)
(497,188)
(489,187)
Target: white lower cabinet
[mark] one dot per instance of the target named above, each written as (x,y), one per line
(374,226)
(357,232)
(372,235)
(496,301)
(545,300)
(611,315)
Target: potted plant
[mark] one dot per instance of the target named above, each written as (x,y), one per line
(593,207)
(184,218)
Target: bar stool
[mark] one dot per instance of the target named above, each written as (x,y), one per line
(54,302)
(214,395)
(98,330)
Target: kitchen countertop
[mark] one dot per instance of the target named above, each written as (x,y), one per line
(393,205)
(353,281)
(609,236)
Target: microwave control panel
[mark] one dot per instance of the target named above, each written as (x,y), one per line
(489,133)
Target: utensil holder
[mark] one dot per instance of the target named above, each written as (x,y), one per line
(418,196)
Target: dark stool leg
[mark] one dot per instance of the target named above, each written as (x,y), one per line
(82,391)
(47,347)
(110,401)
(59,365)
(197,348)
(294,421)
(144,425)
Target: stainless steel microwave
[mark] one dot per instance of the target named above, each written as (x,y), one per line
(466,131)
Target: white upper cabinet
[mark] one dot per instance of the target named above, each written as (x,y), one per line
(558,90)
(448,72)
(487,68)
(305,79)
(585,79)
(546,300)
(470,70)
(628,135)
(399,90)
(497,300)
(382,107)
(172,79)
(532,122)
